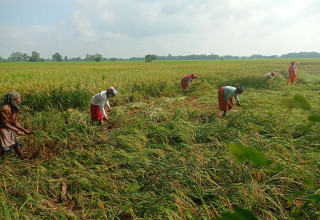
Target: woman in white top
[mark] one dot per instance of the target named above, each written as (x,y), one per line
(98,101)
(268,76)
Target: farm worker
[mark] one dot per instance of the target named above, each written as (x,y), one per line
(9,125)
(292,72)
(186,80)
(98,101)
(225,94)
(268,76)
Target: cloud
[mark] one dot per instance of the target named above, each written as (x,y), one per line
(125,28)
(83,25)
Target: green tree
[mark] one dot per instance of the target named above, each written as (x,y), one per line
(57,57)
(150,57)
(19,57)
(97,57)
(35,57)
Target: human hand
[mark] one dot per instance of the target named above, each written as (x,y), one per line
(19,132)
(28,132)
(239,104)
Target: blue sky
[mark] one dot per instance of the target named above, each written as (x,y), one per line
(133,28)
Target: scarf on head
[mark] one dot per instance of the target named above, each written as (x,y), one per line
(9,99)
(240,89)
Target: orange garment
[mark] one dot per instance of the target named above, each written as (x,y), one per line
(223,104)
(292,74)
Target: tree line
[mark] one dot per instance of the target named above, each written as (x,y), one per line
(35,57)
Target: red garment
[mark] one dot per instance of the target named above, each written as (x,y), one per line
(185,81)
(292,75)
(223,104)
(184,84)
(96,113)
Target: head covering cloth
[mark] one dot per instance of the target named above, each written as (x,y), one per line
(240,89)
(9,99)
(112,91)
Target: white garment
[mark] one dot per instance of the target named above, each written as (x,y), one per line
(230,91)
(101,99)
(267,76)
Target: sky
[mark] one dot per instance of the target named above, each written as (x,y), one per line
(134,28)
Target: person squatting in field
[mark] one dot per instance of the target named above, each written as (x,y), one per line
(186,80)
(292,72)
(225,94)
(98,101)
(268,76)
(9,125)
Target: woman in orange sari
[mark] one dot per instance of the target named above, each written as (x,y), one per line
(225,97)
(292,72)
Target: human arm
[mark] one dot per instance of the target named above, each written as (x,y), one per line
(237,98)
(13,128)
(6,119)
(103,111)
(18,126)
(108,105)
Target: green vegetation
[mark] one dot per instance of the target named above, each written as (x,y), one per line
(165,154)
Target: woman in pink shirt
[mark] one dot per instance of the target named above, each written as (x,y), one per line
(186,80)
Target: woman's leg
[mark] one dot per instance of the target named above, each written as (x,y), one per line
(3,155)
(19,152)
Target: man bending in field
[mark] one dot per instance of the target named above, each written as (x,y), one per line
(98,101)
(186,80)
(225,94)
(9,125)
(268,76)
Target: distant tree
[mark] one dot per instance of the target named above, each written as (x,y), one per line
(88,57)
(113,59)
(65,58)
(257,56)
(19,57)
(97,57)
(150,57)
(35,57)
(57,57)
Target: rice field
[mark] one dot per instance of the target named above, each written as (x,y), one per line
(165,154)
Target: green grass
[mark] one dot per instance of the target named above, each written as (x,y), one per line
(165,152)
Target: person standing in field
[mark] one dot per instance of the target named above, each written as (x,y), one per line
(268,76)
(186,80)
(225,94)
(9,125)
(292,72)
(98,101)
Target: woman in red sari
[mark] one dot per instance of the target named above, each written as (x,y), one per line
(292,72)
(186,80)
(98,101)
(225,97)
